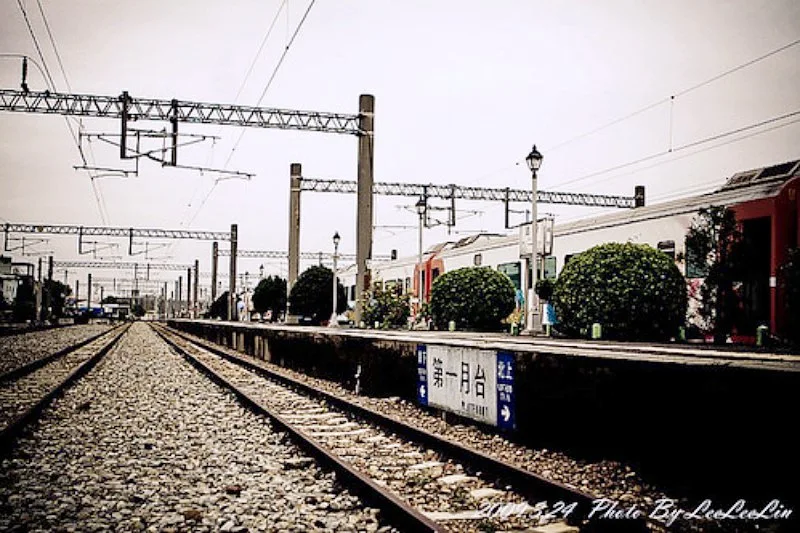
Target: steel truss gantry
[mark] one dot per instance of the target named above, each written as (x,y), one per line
(127,107)
(143,267)
(462,192)
(53,229)
(277,254)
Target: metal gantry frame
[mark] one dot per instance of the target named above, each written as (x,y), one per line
(454,192)
(127,108)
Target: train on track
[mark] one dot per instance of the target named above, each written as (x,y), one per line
(764,200)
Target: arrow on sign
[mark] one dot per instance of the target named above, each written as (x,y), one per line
(422,391)
(505,412)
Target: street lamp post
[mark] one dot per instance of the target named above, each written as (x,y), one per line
(334,321)
(534,322)
(421,207)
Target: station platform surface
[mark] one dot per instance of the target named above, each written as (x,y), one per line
(687,354)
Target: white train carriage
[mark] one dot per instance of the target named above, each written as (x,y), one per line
(765,201)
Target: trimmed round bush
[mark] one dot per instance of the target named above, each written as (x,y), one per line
(312,295)
(474,297)
(636,292)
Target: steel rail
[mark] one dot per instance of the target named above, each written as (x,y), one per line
(27,368)
(399,512)
(10,331)
(528,483)
(13,430)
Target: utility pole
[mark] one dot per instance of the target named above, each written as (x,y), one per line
(89,293)
(189,292)
(364,217)
(295,173)
(196,284)
(214,258)
(48,297)
(232,311)
(179,295)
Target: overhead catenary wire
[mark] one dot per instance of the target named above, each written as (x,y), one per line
(97,194)
(672,97)
(683,147)
(260,98)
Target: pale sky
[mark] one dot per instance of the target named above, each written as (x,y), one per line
(462,88)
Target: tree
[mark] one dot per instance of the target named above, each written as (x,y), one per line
(473,297)
(58,296)
(219,309)
(25,302)
(386,307)
(790,281)
(270,295)
(715,245)
(312,295)
(634,291)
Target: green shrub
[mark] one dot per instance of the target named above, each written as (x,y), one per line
(312,295)
(387,308)
(270,295)
(636,292)
(219,308)
(474,297)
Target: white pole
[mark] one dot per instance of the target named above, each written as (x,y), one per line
(333,320)
(534,321)
(420,292)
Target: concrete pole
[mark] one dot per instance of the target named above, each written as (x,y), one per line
(179,294)
(189,292)
(89,292)
(366,111)
(214,258)
(295,176)
(165,300)
(421,276)
(196,285)
(77,293)
(232,311)
(47,295)
(40,292)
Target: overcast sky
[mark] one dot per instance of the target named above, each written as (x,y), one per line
(462,90)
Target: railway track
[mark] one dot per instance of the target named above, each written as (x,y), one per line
(26,390)
(422,481)
(146,442)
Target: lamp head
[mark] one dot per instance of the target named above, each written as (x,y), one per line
(421,206)
(534,159)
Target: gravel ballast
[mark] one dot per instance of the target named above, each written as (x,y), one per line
(146,442)
(18,350)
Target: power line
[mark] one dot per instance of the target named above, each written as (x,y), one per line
(98,196)
(263,93)
(53,42)
(33,61)
(36,43)
(274,73)
(675,95)
(683,147)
